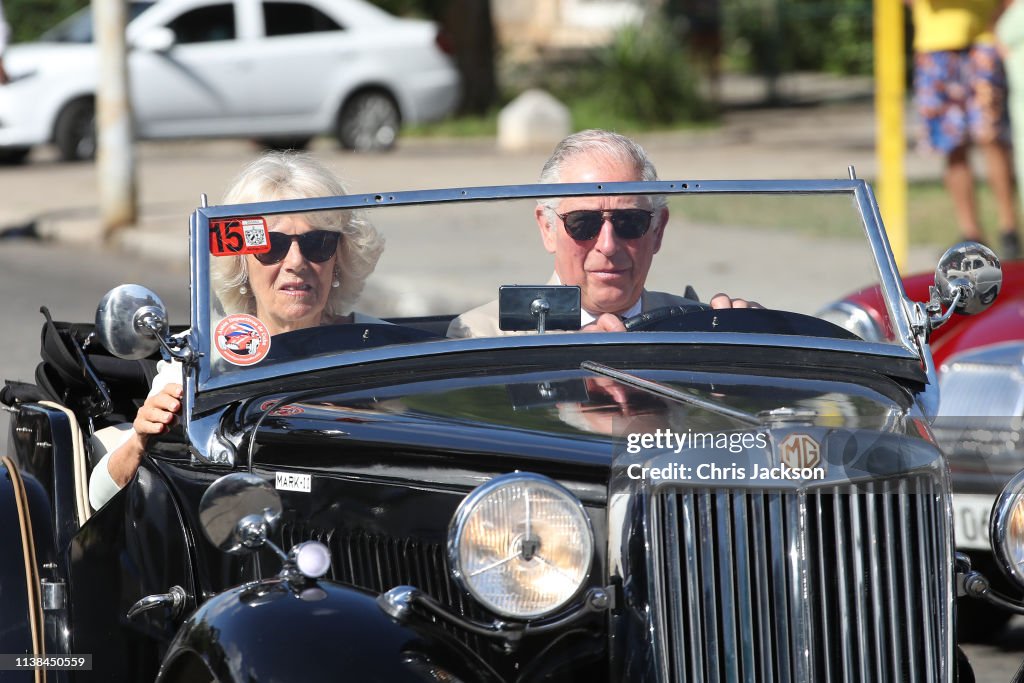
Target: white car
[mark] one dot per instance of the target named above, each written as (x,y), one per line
(280,71)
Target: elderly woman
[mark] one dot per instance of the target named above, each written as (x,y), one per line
(312,275)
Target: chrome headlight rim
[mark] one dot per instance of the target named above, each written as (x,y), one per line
(457,527)
(854,318)
(999,528)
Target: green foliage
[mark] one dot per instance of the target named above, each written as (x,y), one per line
(646,77)
(775,36)
(643,80)
(29,18)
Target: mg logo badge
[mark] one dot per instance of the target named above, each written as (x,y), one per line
(798,451)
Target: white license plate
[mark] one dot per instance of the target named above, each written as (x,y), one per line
(970,520)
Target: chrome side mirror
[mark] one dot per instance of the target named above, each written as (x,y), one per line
(131,321)
(238,512)
(968,278)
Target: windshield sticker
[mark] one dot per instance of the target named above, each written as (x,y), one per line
(242,339)
(234,236)
(289,481)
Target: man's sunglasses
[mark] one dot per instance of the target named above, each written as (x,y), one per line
(316,246)
(585,224)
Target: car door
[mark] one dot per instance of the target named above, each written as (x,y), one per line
(300,58)
(202,84)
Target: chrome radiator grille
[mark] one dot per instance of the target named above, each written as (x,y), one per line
(839,583)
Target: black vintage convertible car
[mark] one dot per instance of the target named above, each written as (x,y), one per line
(714,495)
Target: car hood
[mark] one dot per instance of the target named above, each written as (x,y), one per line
(567,416)
(26,57)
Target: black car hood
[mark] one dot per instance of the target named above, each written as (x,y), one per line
(573,416)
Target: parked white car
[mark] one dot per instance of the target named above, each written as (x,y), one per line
(280,71)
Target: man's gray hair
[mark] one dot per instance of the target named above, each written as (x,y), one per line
(600,143)
(294,175)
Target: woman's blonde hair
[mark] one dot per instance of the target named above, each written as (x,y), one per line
(294,175)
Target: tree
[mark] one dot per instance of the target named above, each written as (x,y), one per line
(469,24)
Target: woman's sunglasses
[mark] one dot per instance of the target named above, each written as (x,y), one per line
(628,224)
(316,246)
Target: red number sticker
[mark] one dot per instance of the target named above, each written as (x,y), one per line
(234,236)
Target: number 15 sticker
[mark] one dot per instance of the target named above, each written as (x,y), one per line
(234,236)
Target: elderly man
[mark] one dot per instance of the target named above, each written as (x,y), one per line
(604,245)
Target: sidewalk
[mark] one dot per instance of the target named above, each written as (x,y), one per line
(830,128)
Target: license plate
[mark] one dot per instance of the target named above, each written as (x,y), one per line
(970,520)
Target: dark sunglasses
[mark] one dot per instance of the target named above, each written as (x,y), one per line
(628,224)
(316,246)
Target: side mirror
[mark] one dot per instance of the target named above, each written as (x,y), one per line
(131,321)
(157,39)
(238,512)
(968,278)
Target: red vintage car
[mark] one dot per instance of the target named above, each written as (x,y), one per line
(980,364)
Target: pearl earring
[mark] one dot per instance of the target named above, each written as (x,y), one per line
(243,290)
(337,279)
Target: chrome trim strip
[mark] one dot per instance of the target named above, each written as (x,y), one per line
(707,580)
(860,606)
(744,592)
(930,638)
(905,501)
(889,278)
(780,590)
(891,548)
(800,600)
(674,591)
(695,617)
(822,582)
(844,593)
(536,191)
(770,638)
(874,545)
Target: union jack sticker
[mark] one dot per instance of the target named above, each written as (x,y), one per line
(242,339)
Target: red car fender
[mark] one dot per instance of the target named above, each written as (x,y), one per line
(1003,321)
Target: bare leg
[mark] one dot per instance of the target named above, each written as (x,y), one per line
(960,185)
(1000,177)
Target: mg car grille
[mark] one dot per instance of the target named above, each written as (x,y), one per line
(839,583)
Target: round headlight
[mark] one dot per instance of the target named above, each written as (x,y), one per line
(853,318)
(1006,528)
(521,544)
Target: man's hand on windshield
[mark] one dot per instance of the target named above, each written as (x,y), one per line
(607,322)
(722,300)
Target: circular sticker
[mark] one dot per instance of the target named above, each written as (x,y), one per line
(242,339)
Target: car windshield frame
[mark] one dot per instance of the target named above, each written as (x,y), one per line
(905,346)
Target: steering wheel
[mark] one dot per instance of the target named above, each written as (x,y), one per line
(698,317)
(657,317)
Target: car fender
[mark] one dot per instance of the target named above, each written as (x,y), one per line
(21,611)
(278,630)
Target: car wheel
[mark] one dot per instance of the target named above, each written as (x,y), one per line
(285,143)
(75,134)
(369,122)
(11,156)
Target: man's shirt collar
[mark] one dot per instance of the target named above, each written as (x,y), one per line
(586,317)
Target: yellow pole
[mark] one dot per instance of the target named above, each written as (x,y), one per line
(890,139)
